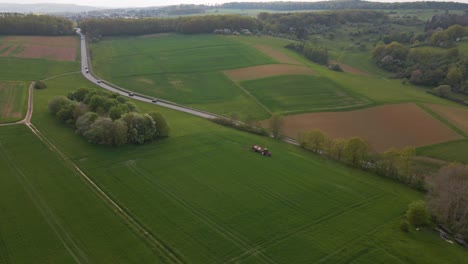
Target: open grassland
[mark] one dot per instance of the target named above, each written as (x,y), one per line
(49,215)
(13,101)
(300,93)
(52,48)
(455,151)
(184,69)
(383,126)
(212,200)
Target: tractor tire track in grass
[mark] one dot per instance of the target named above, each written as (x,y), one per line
(65,237)
(157,245)
(4,252)
(263,245)
(237,239)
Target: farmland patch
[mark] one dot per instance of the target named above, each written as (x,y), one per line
(276,54)
(458,116)
(351,69)
(52,48)
(383,127)
(13,96)
(262,71)
(300,93)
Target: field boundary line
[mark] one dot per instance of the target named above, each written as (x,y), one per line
(56,76)
(201,216)
(441,119)
(156,244)
(251,96)
(65,237)
(262,245)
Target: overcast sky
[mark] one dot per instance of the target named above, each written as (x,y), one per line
(142,3)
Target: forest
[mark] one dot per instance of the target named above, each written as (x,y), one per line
(20,24)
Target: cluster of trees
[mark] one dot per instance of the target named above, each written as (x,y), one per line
(332,5)
(425,65)
(20,24)
(312,52)
(448,197)
(446,20)
(186,25)
(107,118)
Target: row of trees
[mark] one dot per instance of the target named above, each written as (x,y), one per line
(20,24)
(107,118)
(186,25)
(312,52)
(396,164)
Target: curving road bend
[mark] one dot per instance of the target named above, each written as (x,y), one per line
(88,74)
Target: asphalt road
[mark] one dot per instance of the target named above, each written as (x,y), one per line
(88,74)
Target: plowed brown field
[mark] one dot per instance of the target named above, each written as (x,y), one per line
(276,54)
(458,116)
(383,127)
(53,48)
(261,71)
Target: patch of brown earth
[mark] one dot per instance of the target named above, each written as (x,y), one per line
(157,35)
(261,71)
(458,116)
(66,41)
(350,69)
(276,54)
(383,127)
(9,50)
(48,52)
(144,80)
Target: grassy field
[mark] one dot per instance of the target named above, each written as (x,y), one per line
(210,199)
(13,69)
(300,93)
(50,216)
(454,151)
(13,101)
(184,69)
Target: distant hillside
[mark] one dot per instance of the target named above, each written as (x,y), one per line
(44,8)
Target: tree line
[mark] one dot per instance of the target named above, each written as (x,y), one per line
(312,52)
(334,5)
(20,24)
(107,118)
(185,25)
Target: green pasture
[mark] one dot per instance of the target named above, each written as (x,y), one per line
(454,151)
(13,101)
(301,93)
(211,200)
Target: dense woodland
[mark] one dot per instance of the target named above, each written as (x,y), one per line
(20,24)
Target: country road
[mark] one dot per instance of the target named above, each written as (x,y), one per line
(86,70)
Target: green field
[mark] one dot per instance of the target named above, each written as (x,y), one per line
(300,93)
(455,151)
(184,69)
(13,101)
(210,199)
(12,69)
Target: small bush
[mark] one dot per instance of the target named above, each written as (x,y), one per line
(39,85)
(335,67)
(404,226)
(417,214)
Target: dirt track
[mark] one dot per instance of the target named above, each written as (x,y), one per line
(383,127)
(277,55)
